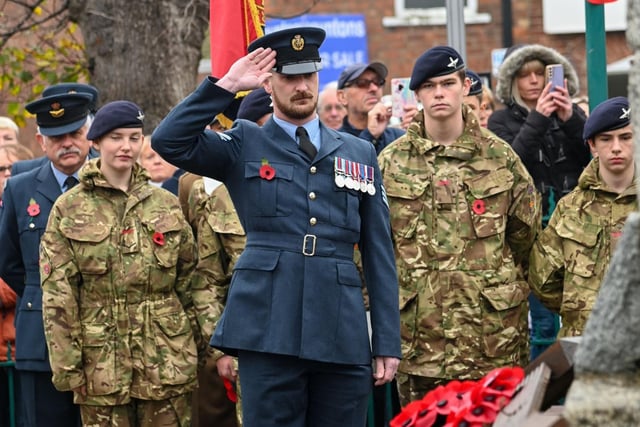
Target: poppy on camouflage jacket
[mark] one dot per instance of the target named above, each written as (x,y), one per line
(116,277)
(463,219)
(571,256)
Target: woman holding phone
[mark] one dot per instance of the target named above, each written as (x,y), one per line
(544,127)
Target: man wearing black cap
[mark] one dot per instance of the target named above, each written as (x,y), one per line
(306,195)
(62,127)
(360,89)
(572,254)
(464,214)
(60,89)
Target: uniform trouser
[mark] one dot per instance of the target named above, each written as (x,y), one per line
(285,391)
(42,405)
(172,412)
(211,406)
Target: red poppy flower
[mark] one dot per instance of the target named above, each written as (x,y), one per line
(158,238)
(33,209)
(479,207)
(267,172)
(231,391)
(475,415)
(503,381)
(415,414)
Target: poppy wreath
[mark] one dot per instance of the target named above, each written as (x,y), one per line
(463,404)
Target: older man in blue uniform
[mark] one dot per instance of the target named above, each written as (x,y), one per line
(28,198)
(306,195)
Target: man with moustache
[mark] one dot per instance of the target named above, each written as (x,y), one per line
(305,195)
(62,127)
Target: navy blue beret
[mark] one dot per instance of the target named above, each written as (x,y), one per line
(60,114)
(115,115)
(61,88)
(354,71)
(296,49)
(255,105)
(435,62)
(611,114)
(476,82)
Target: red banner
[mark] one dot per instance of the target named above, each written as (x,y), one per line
(233,25)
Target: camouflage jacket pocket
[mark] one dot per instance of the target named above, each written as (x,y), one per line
(165,233)
(89,242)
(489,202)
(406,202)
(99,360)
(504,319)
(176,353)
(580,248)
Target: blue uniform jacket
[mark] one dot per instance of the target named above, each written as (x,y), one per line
(21,234)
(280,300)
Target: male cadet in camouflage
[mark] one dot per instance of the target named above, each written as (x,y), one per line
(28,197)
(294,315)
(464,214)
(116,262)
(570,257)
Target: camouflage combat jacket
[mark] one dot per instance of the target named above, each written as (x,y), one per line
(221,240)
(116,276)
(463,218)
(570,257)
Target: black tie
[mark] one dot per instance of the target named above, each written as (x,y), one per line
(305,143)
(70,182)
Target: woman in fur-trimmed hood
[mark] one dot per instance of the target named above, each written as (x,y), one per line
(542,125)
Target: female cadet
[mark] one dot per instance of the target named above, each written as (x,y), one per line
(116,261)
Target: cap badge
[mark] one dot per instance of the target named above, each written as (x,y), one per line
(625,113)
(140,116)
(56,112)
(453,62)
(473,82)
(297,42)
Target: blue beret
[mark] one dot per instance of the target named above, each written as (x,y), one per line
(115,115)
(435,62)
(612,114)
(61,88)
(255,105)
(60,114)
(476,83)
(296,49)
(354,71)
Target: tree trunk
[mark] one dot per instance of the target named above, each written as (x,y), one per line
(145,51)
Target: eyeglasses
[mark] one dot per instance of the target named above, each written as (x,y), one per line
(5,168)
(365,83)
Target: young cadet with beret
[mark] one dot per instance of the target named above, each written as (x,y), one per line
(116,262)
(572,254)
(464,214)
(27,200)
(305,195)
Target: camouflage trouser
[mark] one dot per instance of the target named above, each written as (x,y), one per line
(413,387)
(173,412)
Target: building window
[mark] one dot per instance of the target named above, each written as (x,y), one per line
(431,12)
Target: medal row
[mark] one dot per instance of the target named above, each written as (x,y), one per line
(353,175)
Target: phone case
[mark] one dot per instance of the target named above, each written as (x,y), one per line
(555,75)
(401,95)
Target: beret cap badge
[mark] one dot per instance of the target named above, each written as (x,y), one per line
(56,111)
(297,42)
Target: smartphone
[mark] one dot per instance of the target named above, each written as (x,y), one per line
(554,73)
(401,95)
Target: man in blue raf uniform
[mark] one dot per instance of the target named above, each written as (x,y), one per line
(62,126)
(305,195)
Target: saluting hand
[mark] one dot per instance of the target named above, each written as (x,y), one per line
(250,71)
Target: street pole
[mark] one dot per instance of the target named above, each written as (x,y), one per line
(596,45)
(455,27)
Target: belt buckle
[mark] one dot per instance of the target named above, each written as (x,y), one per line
(313,239)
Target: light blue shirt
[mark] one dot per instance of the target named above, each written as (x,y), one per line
(312,127)
(61,177)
